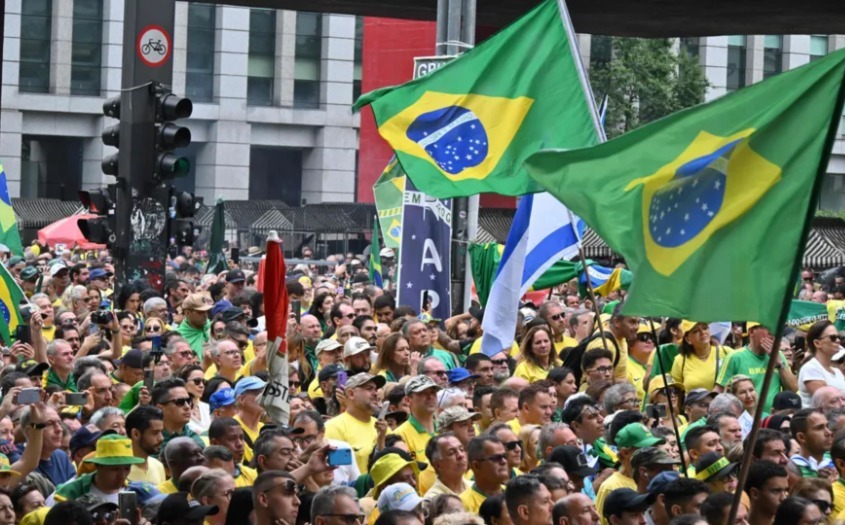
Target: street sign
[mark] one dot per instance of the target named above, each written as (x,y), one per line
(426,65)
(154,46)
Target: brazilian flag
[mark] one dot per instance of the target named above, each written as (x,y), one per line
(467,127)
(9,234)
(389,193)
(11,296)
(711,206)
(375,257)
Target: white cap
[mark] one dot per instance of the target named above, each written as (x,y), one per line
(387,253)
(399,496)
(355,345)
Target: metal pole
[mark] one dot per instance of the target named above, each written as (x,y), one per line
(473,202)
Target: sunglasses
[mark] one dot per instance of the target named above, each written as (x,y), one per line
(197,381)
(288,489)
(294,384)
(557,317)
(499,361)
(349,316)
(513,445)
(644,337)
(182,401)
(496,458)
(834,338)
(823,505)
(153,328)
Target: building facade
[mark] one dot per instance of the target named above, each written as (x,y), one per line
(271,89)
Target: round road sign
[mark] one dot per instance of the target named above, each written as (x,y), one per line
(154,46)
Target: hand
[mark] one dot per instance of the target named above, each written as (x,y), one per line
(414,361)
(381,429)
(37,410)
(22,349)
(144,397)
(35,321)
(768,343)
(57,401)
(114,325)
(88,407)
(10,398)
(90,342)
(318,462)
(340,271)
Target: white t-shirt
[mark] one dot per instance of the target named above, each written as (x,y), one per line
(814,371)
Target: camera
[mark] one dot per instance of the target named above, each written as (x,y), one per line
(102,317)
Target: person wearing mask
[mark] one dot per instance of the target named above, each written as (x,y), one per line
(489,465)
(767,486)
(356,425)
(529,501)
(447,455)
(144,425)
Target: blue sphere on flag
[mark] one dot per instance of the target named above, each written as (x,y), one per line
(453,137)
(5,312)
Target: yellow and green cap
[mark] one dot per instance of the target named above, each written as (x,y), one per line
(6,467)
(114,449)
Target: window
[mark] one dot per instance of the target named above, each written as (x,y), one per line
(199,80)
(309,50)
(818,47)
(87,51)
(36,33)
(772,55)
(262,57)
(359,53)
(736,62)
(690,46)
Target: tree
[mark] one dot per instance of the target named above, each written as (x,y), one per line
(644,80)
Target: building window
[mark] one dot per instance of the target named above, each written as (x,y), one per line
(772,55)
(262,57)
(87,51)
(309,50)
(36,26)
(818,47)
(736,62)
(199,80)
(359,54)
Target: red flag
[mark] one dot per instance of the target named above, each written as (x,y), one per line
(275,295)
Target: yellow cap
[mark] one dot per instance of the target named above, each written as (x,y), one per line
(657,383)
(687,325)
(644,328)
(114,449)
(36,517)
(6,467)
(749,325)
(388,466)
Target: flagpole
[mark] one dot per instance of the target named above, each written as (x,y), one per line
(821,172)
(590,292)
(662,366)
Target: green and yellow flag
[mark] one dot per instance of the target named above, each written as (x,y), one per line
(375,257)
(389,193)
(710,206)
(467,127)
(9,233)
(11,296)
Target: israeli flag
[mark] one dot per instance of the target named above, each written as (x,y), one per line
(543,232)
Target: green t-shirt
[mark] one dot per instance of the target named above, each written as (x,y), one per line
(667,353)
(754,366)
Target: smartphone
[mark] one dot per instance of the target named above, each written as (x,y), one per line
(76,398)
(342,376)
(23,334)
(93,329)
(296,306)
(383,411)
(156,340)
(29,396)
(340,457)
(127,503)
(148,380)
(655,411)
(424,306)
(236,255)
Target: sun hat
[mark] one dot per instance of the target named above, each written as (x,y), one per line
(114,449)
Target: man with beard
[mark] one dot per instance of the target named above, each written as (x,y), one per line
(366,327)
(143,427)
(356,425)
(357,355)
(501,371)
(481,366)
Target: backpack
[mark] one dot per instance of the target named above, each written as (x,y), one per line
(572,357)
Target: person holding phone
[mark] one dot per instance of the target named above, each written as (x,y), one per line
(356,425)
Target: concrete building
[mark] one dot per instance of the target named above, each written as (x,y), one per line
(271,89)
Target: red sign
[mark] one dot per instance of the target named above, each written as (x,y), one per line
(154,46)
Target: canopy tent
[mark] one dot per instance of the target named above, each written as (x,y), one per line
(66,231)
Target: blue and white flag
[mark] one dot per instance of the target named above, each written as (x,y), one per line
(543,232)
(425,253)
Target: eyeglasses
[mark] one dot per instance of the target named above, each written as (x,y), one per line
(349,519)
(288,488)
(182,401)
(513,445)
(834,338)
(103,515)
(496,458)
(232,353)
(603,369)
(630,402)
(197,381)
(823,505)
(187,354)
(152,328)
(349,316)
(70,322)
(499,361)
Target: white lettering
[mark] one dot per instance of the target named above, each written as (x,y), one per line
(431,256)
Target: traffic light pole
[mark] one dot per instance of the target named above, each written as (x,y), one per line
(142,199)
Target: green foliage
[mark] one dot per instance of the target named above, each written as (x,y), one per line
(644,80)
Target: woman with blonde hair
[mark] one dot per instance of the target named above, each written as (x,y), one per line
(529,435)
(536,355)
(742,387)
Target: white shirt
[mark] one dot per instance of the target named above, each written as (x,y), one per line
(347,473)
(814,371)
(200,426)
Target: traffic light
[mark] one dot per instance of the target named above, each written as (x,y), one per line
(111,135)
(101,229)
(183,206)
(169,135)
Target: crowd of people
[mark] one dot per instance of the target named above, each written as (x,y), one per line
(398,418)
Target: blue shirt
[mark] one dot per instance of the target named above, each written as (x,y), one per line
(57,468)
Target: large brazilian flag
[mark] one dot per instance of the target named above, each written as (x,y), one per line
(9,234)
(11,296)
(710,206)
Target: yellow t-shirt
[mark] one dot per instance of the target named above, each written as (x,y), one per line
(476,348)
(838,498)
(153,474)
(616,480)
(417,437)
(253,435)
(620,371)
(48,333)
(249,355)
(566,342)
(167,487)
(246,478)
(530,372)
(694,372)
(361,436)
(515,425)
(636,373)
(472,499)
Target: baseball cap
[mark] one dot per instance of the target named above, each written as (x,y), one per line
(235,276)
(456,375)
(662,481)
(786,400)
(31,367)
(355,345)
(222,398)
(713,466)
(573,460)
(97,273)
(86,436)
(658,383)
(399,496)
(363,378)
(327,345)
(114,449)
(133,359)
(196,301)
(233,313)
(220,306)
(698,394)
(652,456)
(427,318)
(626,500)
(91,502)
(146,493)
(6,466)
(455,414)
(477,312)
(687,325)
(360,278)
(636,435)
(249,384)
(420,384)
(13,261)
(58,267)
(30,273)
(329,372)
(387,253)
(176,507)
